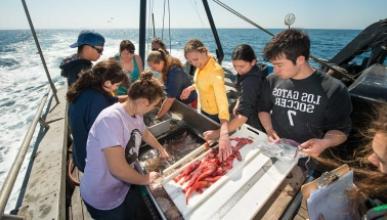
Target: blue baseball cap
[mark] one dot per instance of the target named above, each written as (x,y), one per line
(90,38)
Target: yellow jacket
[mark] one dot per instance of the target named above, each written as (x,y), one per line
(209,83)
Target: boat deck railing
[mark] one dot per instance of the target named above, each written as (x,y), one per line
(14,171)
(17,164)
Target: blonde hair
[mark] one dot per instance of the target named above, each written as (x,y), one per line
(194,45)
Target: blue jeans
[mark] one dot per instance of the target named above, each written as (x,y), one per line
(133,207)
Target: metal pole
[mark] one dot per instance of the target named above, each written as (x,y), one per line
(40,50)
(219,51)
(153,25)
(14,171)
(142,29)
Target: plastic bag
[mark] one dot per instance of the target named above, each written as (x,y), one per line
(285,149)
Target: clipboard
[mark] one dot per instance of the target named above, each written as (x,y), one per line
(324,180)
(326,197)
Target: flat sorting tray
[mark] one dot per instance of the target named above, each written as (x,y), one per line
(242,192)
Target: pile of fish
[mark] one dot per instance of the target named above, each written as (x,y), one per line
(201,174)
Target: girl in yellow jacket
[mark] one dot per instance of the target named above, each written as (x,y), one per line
(209,84)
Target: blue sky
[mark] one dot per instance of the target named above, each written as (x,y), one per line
(95,14)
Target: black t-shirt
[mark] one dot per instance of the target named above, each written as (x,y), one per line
(250,87)
(307,108)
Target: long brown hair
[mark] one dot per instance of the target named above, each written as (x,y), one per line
(373,183)
(107,70)
(159,55)
(147,87)
(369,181)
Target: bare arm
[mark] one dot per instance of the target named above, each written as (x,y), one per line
(118,167)
(265,119)
(165,107)
(335,138)
(139,63)
(314,147)
(153,142)
(186,92)
(225,149)
(238,121)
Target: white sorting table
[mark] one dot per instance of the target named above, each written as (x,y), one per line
(242,192)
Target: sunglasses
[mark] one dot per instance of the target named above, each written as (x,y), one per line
(99,50)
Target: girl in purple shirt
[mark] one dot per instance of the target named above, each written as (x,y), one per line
(108,186)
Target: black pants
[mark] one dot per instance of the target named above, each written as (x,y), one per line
(212,117)
(133,207)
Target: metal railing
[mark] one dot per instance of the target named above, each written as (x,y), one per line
(9,182)
(14,171)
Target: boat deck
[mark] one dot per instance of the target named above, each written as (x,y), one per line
(77,209)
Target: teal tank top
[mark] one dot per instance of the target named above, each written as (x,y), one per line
(133,76)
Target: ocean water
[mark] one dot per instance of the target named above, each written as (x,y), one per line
(23,81)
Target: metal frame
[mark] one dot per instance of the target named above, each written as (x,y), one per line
(219,50)
(142,29)
(14,171)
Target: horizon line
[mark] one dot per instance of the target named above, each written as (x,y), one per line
(132,28)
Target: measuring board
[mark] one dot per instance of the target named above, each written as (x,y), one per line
(251,181)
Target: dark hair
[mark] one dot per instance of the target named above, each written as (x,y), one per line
(127,45)
(159,42)
(107,70)
(244,52)
(292,43)
(147,87)
(194,45)
(80,48)
(157,56)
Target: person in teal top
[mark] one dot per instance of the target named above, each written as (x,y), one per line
(131,64)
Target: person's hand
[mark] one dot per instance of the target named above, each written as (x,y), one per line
(158,117)
(152,176)
(314,147)
(225,149)
(185,93)
(211,135)
(163,153)
(272,136)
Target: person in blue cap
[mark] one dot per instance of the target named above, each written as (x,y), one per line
(90,47)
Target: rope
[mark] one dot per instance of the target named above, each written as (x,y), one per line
(332,66)
(195,6)
(228,8)
(162,30)
(169,28)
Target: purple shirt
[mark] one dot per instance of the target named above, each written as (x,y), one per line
(113,127)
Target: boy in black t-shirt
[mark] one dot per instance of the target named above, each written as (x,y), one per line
(299,102)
